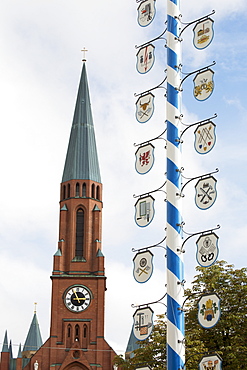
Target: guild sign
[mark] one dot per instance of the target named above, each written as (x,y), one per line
(145,59)
(146,12)
(143,266)
(144,158)
(144,211)
(144,107)
(210,362)
(205,192)
(208,310)
(207,249)
(204,85)
(143,368)
(203,33)
(143,323)
(205,137)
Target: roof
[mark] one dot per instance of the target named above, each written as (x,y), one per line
(33,341)
(5,347)
(82,160)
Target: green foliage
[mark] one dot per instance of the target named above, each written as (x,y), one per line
(228,337)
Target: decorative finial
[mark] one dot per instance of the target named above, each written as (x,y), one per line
(35,304)
(84,50)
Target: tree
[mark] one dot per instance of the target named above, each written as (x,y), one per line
(228,337)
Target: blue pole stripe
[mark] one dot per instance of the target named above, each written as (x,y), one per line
(176,362)
(172,24)
(173,217)
(172,59)
(175,265)
(172,133)
(172,95)
(176,316)
(173,174)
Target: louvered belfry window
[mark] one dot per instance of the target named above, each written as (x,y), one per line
(79,232)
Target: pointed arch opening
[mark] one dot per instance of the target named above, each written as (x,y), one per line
(68,191)
(98,193)
(84,190)
(64,192)
(77,333)
(79,247)
(93,191)
(77,190)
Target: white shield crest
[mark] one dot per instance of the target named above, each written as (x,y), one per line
(208,310)
(143,266)
(203,33)
(144,158)
(205,192)
(203,85)
(145,59)
(144,107)
(207,249)
(146,12)
(210,362)
(147,367)
(205,137)
(144,211)
(143,323)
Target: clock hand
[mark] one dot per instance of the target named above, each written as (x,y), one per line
(76,296)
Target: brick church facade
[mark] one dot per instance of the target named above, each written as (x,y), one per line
(76,340)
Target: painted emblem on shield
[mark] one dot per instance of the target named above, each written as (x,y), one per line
(203,33)
(204,85)
(146,12)
(147,367)
(144,158)
(210,362)
(209,310)
(145,59)
(143,266)
(205,137)
(143,323)
(144,211)
(207,249)
(205,192)
(144,107)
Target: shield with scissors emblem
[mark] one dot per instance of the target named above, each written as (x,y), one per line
(207,249)
(143,323)
(204,85)
(144,107)
(205,192)
(208,310)
(203,33)
(144,211)
(205,137)
(146,12)
(144,158)
(143,266)
(145,59)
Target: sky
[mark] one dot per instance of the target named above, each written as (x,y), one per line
(40,53)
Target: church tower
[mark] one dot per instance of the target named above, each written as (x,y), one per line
(78,278)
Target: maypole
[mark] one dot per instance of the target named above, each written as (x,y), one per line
(175,267)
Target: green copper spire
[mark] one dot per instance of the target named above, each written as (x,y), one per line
(33,340)
(82,159)
(5,347)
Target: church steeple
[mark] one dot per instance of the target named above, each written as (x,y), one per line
(33,341)
(82,159)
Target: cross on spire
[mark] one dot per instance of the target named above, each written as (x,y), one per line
(84,50)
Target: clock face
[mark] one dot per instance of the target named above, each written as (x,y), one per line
(77,298)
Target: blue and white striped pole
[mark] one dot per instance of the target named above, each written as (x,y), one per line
(175,267)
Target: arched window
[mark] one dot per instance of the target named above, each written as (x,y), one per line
(77,332)
(77,190)
(79,232)
(98,193)
(84,190)
(68,191)
(64,192)
(69,331)
(85,331)
(93,191)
